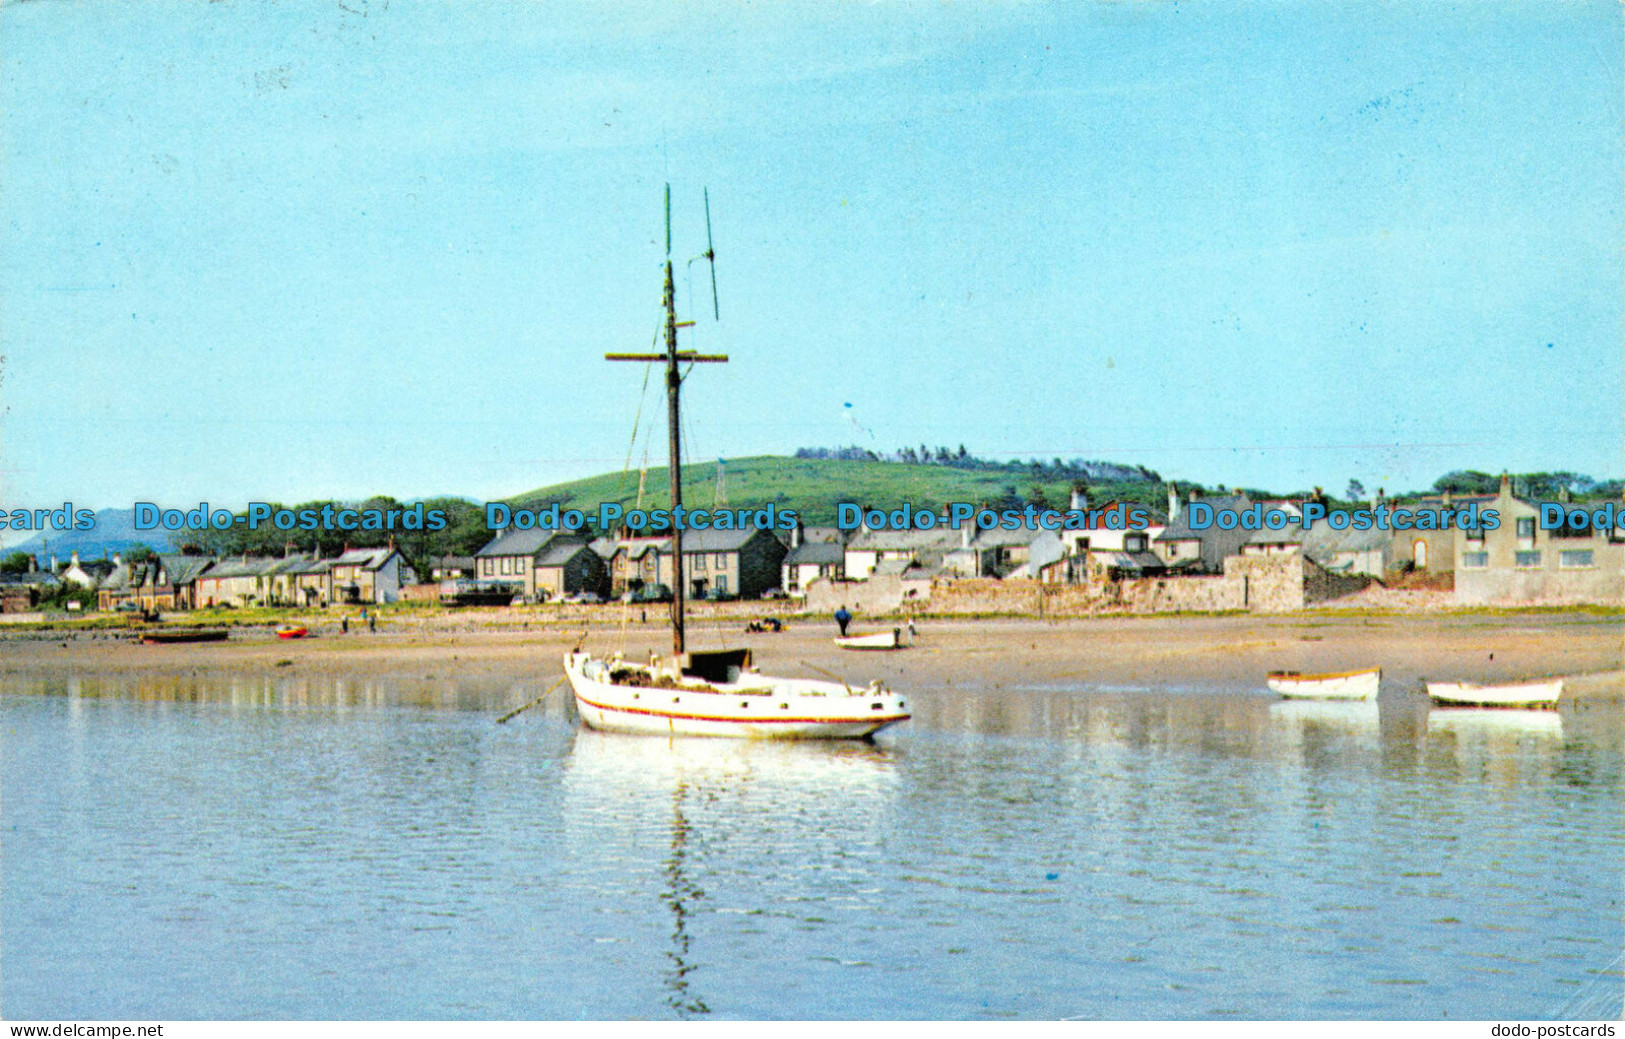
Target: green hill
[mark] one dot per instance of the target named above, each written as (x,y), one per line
(814,486)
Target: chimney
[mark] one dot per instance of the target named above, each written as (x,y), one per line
(73,560)
(1506,485)
(53,562)
(1193,494)
(1080,497)
(1447,499)
(795,535)
(964,534)
(118,560)
(1173,503)
(33,564)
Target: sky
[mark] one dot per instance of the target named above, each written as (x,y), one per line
(288,250)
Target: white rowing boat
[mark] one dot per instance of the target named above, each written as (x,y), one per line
(1538,694)
(892,639)
(1343,685)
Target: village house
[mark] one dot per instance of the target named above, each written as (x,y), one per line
(1433,548)
(809,561)
(21,593)
(1522,562)
(1104,552)
(89,574)
(869,547)
(369,575)
(638,562)
(742,563)
(510,557)
(452,568)
(569,567)
(1185,549)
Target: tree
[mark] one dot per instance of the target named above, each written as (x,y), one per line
(1355,492)
(140,552)
(16,563)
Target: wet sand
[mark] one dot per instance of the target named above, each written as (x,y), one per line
(1199,653)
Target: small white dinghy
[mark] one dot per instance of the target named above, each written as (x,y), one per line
(1343,685)
(1539,694)
(892,639)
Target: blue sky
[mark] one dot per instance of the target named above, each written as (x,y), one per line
(281,251)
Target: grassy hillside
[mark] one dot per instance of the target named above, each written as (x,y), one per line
(813,487)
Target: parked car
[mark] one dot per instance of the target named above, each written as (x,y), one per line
(582,599)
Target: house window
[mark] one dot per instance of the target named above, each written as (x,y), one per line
(1526,527)
(1474,533)
(699,561)
(722,584)
(720,562)
(1576,558)
(1526,559)
(1134,543)
(1475,560)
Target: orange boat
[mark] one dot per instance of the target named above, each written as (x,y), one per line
(292,631)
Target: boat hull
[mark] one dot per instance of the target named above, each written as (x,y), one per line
(892,639)
(1538,695)
(756,707)
(1348,685)
(165,638)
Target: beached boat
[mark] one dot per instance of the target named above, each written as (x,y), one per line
(715,693)
(1342,685)
(163,638)
(292,631)
(892,639)
(1542,693)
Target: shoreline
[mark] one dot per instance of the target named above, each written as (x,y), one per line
(1210,652)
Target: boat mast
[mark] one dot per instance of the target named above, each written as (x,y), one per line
(674,382)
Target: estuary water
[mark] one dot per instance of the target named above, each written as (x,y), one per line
(245,848)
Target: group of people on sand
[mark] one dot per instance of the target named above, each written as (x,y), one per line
(370,618)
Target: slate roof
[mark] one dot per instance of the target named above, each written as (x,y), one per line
(181,569)
(560,552)
(515,542)
(941,538)
(717,540)
(366,558)
(1179,528)
(819,553)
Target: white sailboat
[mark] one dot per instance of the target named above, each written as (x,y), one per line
(717,693)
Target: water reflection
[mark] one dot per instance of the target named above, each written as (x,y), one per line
(711,801)
(243,841)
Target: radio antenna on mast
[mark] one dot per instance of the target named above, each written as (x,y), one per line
(710,255)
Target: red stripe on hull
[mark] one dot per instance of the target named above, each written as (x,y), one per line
(887,718)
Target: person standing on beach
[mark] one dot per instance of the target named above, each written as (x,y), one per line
(372,621)
(842,619)
(344,625)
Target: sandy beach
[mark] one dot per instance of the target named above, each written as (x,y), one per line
(1217,653)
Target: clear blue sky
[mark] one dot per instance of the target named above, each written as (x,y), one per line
(292,250)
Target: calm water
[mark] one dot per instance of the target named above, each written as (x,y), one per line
(253,849)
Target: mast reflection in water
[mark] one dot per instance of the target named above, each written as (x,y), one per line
(680,893)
